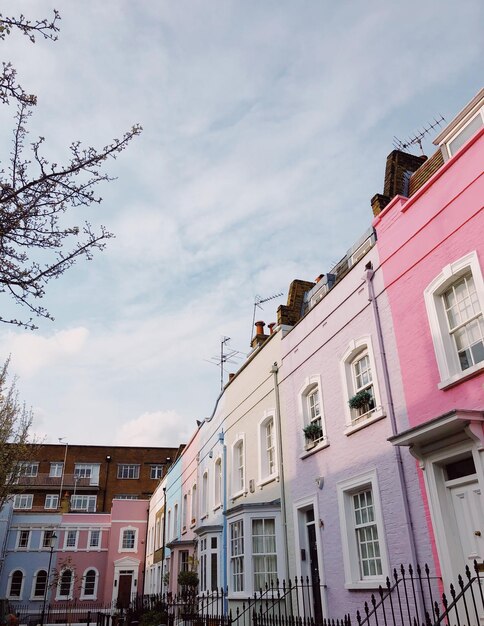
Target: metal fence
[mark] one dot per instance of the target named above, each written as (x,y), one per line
(413,597)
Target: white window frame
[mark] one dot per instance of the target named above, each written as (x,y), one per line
(156,471)
(59,582)
(55,466)
(265,476)
(248,554)
(19,536)
(312,385)
(460,129)
(50,498)
(122,532)
(217,483)
(68,532)
(88,471)
(239,480)
(28,469)
(125,469)
(184,515)
(23,501)
(94,532)
(92,596)
(89,499)
(46,537)
(447,359)
(22,586)
(34,584)
(206,553)
(357,348)
(175,520)
(194,504)
(204,500)
(346,489)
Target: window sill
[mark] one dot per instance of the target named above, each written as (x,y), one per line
(375,583)
(267,480)
(217,507)
(324,443)
(237,495)
(461,376)
(375,417)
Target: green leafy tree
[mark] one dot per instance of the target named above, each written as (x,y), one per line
(37,242)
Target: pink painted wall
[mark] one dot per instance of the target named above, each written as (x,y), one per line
(84,558)
(133,514)
(416,239)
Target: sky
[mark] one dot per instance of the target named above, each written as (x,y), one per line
(266,129)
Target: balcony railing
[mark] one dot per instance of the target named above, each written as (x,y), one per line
(45,480)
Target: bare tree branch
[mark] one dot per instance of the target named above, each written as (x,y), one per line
(36,242)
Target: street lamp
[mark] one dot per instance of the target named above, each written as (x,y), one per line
(52,539)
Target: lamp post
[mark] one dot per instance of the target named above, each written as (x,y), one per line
(52,539)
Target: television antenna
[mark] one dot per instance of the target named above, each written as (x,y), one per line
(417,138)
(227,355)
(258,301)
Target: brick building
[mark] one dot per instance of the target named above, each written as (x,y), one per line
(77,478)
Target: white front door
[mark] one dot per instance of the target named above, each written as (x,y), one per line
(468,506)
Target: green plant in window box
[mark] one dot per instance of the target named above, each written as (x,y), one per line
(313,431)
(361,400)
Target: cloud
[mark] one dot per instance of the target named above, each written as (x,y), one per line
(31,353)
(160,428)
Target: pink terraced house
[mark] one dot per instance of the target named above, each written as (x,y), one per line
(431,249)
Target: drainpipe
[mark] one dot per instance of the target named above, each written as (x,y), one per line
(163,558)
(221,438)
(282,482)
(369,275)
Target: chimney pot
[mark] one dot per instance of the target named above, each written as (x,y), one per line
(318,278)
(260,328)
(231,376)
(271,327)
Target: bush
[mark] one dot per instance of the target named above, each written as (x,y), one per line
(188,579)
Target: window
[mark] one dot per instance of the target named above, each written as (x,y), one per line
(28,469)
(23,539)
(209,563)
(83,503)
(128,539)
(126,496)
(237,555)
(359,377)
(94,538)
(238,468)
(184,512)
(194,504)
(70,539)
(87,472)
(65,584)
(56,470)
(89,584)
(175,521)
(264,555)
(156,472)
(16,585)
(23,501)
(51,501)
(40,584)
(455,304)
(267,450)
(183,562)
(128,471)
(218,483)
(47,538)
(204,504)
(364,550)
(311,409)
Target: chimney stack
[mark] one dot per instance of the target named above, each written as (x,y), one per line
(399,168)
